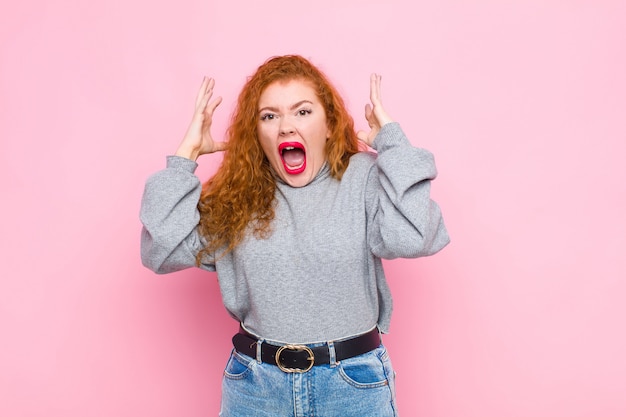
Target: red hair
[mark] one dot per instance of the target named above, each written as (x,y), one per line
(240,196)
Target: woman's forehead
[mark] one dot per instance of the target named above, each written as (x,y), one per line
(288,92)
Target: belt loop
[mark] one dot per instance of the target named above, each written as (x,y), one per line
(258,351)
(333,355)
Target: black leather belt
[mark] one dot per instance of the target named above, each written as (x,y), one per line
(301,358)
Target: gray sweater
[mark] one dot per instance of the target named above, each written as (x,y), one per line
(319,275)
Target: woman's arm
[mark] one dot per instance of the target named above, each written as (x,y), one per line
(169,213)
(169,239)
(403,221)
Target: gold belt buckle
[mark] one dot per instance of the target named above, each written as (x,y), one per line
(296,348)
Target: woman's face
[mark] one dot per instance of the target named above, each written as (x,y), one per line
(292,130)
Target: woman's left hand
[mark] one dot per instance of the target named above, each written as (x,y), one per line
(376,116)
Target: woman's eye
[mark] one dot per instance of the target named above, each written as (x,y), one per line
(267,116)
(304,112)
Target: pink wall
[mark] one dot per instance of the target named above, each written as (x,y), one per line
(523,103)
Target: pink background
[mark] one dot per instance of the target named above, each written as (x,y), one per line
(522,102)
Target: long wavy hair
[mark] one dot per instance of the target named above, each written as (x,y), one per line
(240,196)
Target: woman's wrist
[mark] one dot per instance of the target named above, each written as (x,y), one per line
(188,152)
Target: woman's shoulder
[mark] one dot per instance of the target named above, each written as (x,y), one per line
(360,165)
(364,159)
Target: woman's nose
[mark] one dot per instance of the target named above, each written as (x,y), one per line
(286,129)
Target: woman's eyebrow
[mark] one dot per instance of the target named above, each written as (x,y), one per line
(293,106)
(298,104)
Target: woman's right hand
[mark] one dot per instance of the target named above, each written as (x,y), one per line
(198,140)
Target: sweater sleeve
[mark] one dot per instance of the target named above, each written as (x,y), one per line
(169,239)
(403,221)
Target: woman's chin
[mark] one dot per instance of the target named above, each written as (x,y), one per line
(297,178)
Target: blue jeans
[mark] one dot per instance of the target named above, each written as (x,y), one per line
(362,386)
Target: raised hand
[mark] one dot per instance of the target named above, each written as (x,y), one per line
(198,140)
(375,114)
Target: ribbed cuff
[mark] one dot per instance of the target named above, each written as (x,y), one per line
(390,135)
(178,162)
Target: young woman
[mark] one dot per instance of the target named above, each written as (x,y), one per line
(295,222)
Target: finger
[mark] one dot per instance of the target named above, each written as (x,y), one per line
(207,92)
(372,87)
(375,95)
(202,91)
(210,85)
(213,105)
(362,135)
(368,114)
(219,146)
(379,79)
(202,105)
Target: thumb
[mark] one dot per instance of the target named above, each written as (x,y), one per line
(219,146)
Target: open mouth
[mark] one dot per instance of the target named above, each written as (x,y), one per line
(293,156)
